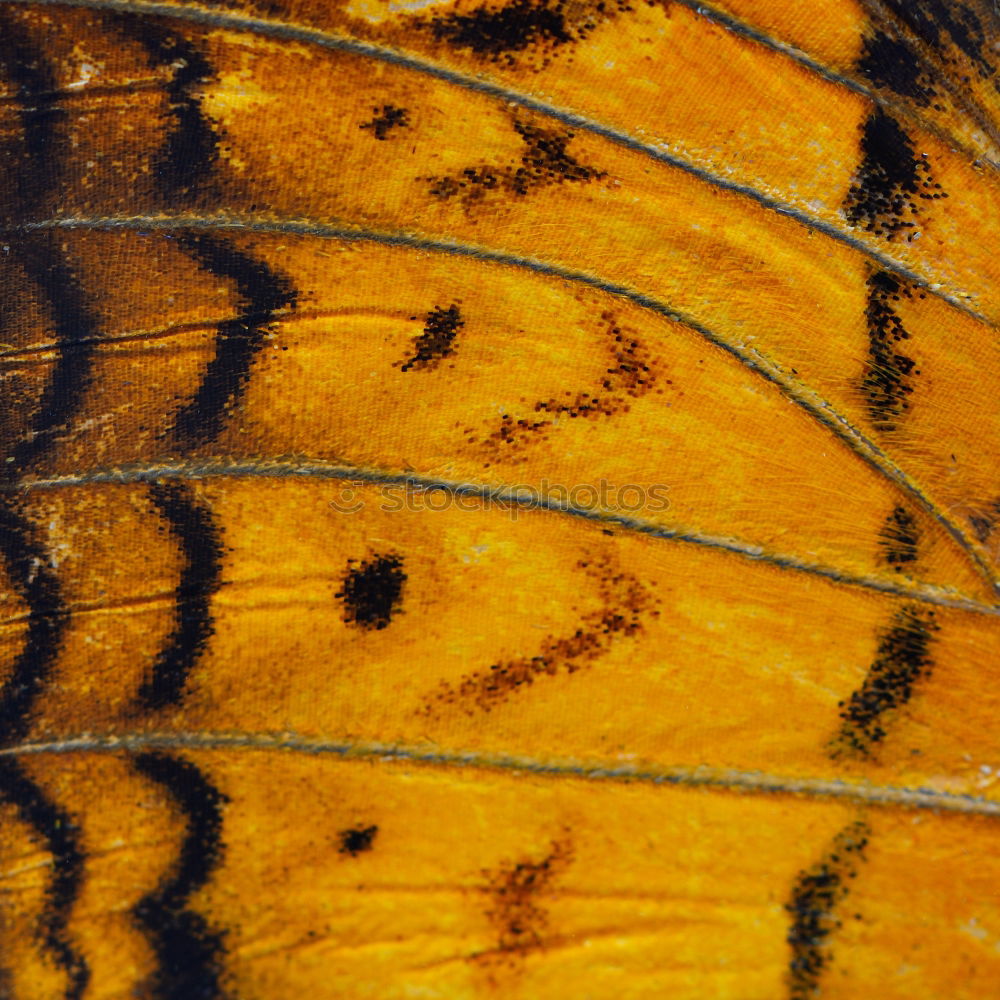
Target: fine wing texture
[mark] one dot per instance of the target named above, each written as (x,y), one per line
(499,499)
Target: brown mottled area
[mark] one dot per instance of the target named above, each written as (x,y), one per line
(625,603)
(545,161)
(525,31)
(515,910)
(385,119)
(441,327)
(984,522)
(629,375)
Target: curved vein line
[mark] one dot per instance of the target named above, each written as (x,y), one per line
(323,39)
(821,410)
(728,779)
(899,108)
(295,468)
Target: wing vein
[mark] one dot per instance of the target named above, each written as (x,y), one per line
(724,779)
(304,468)
(818,407)
(323,39)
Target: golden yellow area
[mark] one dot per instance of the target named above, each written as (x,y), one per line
(478,883)
(499,498)
(713,659)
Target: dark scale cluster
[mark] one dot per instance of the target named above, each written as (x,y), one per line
(357,840)
(441,327)
(498,33)
(385,119)
(812,907)
(372,591)
(984,522)
(891,181)
(544,162)
(889,62)
(625,604)
(514,892)
(902,659)
(898,538)
(940,23)
(630,374)
(886,380)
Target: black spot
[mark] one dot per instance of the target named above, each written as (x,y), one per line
(189,953)
(357,840)
(889,62)
(264,293)
(489,30)
(194,528)
(939,23)
(372,591)
(891,181)
(56,829)
(441,326)
(386,120)
(898,538)
(903,658)
(545,161)
(815,897)
(886,380)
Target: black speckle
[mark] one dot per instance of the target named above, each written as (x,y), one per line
(888,62)
(546,160)
(626,607)
(886,380)
(891,181)
(940,22)
(441,326)
(812,907)
(372,591)
(386,119)
(532,29)
(899,537)
(490,30)
(902,659)
(357,840)
(516,893)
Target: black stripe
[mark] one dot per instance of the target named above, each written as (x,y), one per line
(903,658)
(31,573)
(37,177)
(56,829)
(812,907)
(185,163)
(198,537)
(263,292)
(188,951)
(191,148)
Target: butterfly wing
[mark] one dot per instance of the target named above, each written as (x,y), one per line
(499,499)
